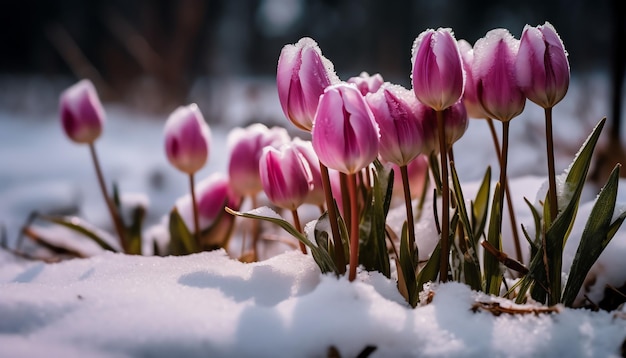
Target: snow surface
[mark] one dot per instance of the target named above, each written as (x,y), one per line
(113,305)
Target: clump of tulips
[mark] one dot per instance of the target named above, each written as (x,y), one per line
(372,141)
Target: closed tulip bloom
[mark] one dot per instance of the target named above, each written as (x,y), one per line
(472,105)
(395,110)
(302,75)
(286,176)
(455,122)
(187,139)
(542,66)
(345,135)
(366,83)
(495,77)
(246,146)
(82,115)
(437,75)
(316,194)
(214,194)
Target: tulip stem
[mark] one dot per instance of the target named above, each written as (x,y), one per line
(345,198)
(445,197)
(507,190)
(115,217)
(194,205)
(354,227)
(296,223)
(340,258)
(409,208)
(552,197)
(503,165)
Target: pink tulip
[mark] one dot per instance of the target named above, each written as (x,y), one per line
(187,139)
(345,135)
(472,105)
(316,194)
(438,76)
(366,83)
(495,76)
(246,146)
(286,176)
(455,123)
(542,66)
(302,75)
(214,194)
(82,115)
(395,110)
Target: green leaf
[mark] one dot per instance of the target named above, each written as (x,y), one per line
(182,242)
(493,274)
(470,264)
(596,236)
(408,266)
(80,226)
(431,269)
(321,255)
(549,284)
(373,253)
(480,206)
(133,232)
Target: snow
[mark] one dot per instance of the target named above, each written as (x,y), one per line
(207,304)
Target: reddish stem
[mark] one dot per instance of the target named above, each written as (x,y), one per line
(340,258)
(296,223)
(354,227)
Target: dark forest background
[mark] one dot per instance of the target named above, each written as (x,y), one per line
(126,46)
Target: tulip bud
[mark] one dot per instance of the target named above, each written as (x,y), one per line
(345,135)
(438,77)
(542,66)
(366,83)
(494,74)
(82,115)
(395,110)
(472,105)
(246,146)
(187,139)
(214,194)
(286,176)
(302,75)
(455,123)
(316,194)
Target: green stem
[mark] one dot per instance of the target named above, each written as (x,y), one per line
(409,208)
(340,258)
(507,190)
(445,192)
(345,196)
(298,226)
(552,197)
(115,217)
(194,205)
(354,227)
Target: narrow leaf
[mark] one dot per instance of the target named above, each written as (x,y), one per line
(80,226)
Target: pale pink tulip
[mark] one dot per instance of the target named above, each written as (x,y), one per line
(301,77)
(542,67)
(187,139)
(82,115)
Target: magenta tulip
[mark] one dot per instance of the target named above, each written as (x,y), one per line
(82,115)
(437,75)
(494,74)
(455,125)
(366,83)
(542,66)
(396,110)
(345,135)
(214,194)
(472,104)
(286,176)
(246,146)
(316,194)
(187,139)
(302,75)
